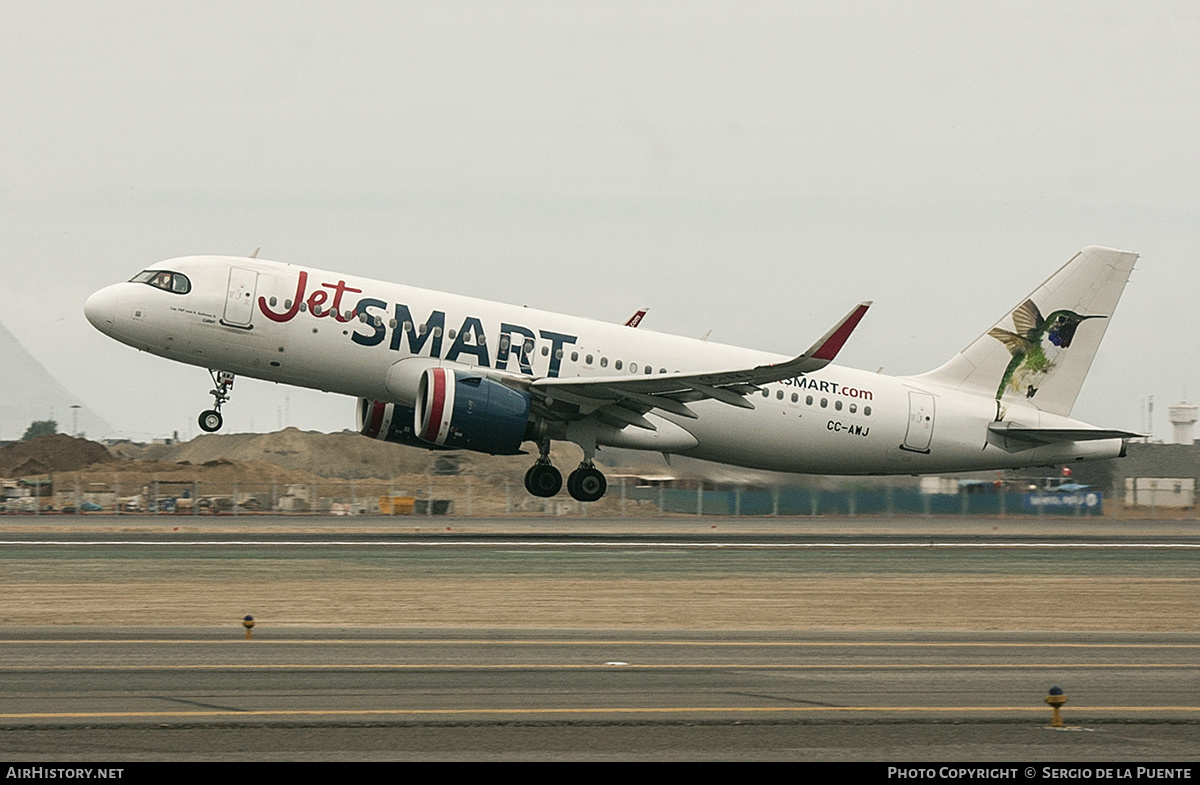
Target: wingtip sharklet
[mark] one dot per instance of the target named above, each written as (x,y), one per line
(832,342)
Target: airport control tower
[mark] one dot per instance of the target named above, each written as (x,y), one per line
(1182,417)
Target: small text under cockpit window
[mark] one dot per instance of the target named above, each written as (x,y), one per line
(166,280)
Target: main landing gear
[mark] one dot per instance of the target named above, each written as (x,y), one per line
(585,484)
(543,479)
(211,420)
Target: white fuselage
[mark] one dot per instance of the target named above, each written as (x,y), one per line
(344,334)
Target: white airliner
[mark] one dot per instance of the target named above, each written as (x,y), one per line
(446,371)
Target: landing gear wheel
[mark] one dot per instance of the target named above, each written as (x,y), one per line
(586,484)
(211,421)
(543,480)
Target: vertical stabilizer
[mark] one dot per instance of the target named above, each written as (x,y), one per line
(1040,352)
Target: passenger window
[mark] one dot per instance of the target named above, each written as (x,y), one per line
(766,393)
(795,397)
(808,400)
(853,408)
(824,402)
(603,362)
(617,365)
(633,367)
(588,359)
(779,394)
(867,411)
(649,370)
(837,405)
(574,356)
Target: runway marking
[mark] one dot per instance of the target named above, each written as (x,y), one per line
(590,710)
(257,642)
(598,544)
(594,666)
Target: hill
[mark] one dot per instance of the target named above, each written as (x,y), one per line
(28,392)
(345,455)
(53,453)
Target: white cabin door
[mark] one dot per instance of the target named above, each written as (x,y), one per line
(920,422)
(239,298)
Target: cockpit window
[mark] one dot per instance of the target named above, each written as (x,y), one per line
(165,280)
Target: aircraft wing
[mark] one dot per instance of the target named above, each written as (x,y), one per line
(623,399)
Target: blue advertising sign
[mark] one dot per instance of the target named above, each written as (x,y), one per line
(1091,501)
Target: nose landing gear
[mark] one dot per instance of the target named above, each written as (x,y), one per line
(211,420)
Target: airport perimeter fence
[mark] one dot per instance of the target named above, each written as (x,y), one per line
(474,496)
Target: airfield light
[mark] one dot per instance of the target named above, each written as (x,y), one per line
(1056,699)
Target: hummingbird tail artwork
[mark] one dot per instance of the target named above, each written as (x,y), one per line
(1043,360)
(1035,346)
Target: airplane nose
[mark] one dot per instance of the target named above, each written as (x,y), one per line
(101,307)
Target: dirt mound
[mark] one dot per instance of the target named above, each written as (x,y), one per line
(221,471)
(334,455)
(53,453)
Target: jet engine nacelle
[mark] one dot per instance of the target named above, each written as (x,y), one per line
(388,422)
(467,411)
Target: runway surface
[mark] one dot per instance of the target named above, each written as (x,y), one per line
(317,694)
(775,680)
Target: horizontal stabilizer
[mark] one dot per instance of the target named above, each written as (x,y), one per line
(1012,437)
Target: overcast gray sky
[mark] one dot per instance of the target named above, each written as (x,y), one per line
(750,168)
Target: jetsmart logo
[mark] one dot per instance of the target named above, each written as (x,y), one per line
(823,386)
(379,321)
